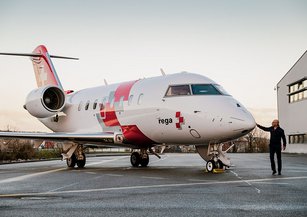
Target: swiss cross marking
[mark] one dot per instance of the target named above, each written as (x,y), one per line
(180,120)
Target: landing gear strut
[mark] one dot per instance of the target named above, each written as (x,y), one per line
(139,158)
(77,157)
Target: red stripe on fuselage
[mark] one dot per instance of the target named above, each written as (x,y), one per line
(123,90)
(111,119)
(134,135)
(131,132)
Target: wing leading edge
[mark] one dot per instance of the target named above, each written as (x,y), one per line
(102,138)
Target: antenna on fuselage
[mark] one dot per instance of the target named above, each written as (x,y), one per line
(105,82)
(162,72)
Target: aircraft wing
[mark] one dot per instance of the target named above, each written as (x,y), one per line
(103,138)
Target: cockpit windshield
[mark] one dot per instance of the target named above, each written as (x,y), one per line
(195,89)
(204,89)
(178,90)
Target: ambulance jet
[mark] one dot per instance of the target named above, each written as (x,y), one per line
(181,108)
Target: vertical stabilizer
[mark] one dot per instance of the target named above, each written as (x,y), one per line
(44,70)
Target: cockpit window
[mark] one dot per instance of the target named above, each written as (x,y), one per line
(205,89)
(178,90)
(195,89)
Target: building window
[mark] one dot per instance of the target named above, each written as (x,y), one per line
(297,139)
(298,91)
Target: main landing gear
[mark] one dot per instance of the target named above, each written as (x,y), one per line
(75,155)
(141,158)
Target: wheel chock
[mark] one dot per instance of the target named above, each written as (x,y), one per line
(218,171)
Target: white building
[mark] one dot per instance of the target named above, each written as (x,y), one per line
(292,105)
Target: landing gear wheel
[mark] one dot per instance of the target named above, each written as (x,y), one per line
(81,163)
(210,166)
(135,159)
(144,161)
(71,162)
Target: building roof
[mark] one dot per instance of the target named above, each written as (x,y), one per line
(305,53)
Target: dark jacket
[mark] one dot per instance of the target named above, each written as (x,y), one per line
(277,135)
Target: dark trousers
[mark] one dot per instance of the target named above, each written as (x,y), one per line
(277,150)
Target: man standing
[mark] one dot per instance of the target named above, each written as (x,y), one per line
(277,134)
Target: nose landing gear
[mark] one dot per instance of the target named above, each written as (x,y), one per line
(214,155)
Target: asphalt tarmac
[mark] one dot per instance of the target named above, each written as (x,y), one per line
(175,185)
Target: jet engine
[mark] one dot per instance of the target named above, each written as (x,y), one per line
(45,101)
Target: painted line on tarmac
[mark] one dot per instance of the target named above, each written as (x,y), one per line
(115,175)
(245,181)
(152,177)
(65,186)
(271,183)
(151,187)
(201,180)
(24,177)
(90,172)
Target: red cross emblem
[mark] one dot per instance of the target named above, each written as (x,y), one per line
(180,120)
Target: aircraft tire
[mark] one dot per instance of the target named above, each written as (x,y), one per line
(210,166)
(81,163)
(135,159)
(71,162)
(144,161)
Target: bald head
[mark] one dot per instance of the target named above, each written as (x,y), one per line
(275,123)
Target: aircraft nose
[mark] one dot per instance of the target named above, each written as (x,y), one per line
(249,123)
(242,122)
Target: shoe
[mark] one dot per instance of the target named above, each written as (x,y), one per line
(279,173)
(273,173)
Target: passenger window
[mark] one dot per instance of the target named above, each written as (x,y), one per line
(205,89)
(80,106)
(140,98)
(95,104)
(130,99)
(178,90)
(87,105)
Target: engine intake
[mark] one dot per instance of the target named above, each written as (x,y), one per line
(45,101)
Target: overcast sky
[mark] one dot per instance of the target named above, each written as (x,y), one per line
(246,46)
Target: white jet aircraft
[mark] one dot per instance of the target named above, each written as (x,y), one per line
(182,108)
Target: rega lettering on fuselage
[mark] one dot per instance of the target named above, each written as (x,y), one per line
(165,121)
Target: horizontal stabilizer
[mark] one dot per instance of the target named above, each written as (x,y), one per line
(38,55)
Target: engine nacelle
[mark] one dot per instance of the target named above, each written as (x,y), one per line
(45,101)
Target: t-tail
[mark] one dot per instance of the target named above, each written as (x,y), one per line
(44,70)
